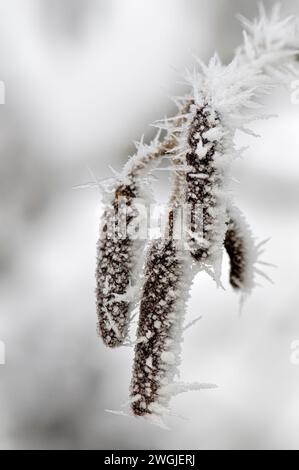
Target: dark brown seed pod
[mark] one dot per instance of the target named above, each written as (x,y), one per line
(235,247)
(158,336)
(206,183)
(242,251)
(114,266)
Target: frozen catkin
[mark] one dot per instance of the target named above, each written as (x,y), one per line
(240,246)
(114,268)
(206,180)
(244,253)
(157,352)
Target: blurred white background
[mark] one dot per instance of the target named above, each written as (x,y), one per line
(84,78)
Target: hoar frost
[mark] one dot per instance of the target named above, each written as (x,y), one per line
(200,142)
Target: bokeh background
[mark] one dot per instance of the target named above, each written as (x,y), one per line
(84,79)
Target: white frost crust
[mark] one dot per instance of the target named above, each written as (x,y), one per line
(159,412)
(269,38)
(271,44)
(146,158)
(232,90)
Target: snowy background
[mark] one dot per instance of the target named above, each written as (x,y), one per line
(84,78)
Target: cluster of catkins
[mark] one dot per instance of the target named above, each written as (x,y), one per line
(199,142)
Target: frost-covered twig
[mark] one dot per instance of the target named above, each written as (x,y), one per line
(200,140)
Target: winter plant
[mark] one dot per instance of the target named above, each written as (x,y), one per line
(200,145)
